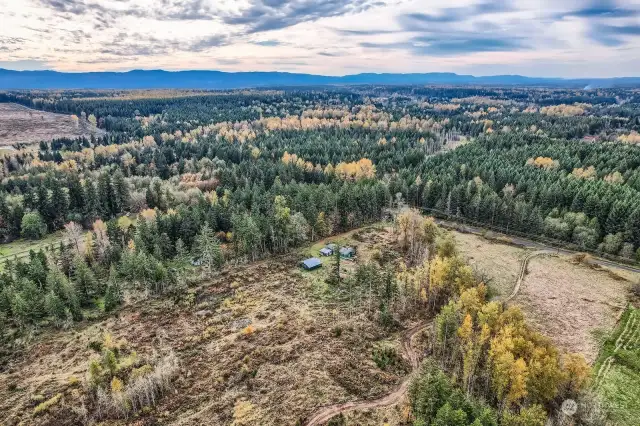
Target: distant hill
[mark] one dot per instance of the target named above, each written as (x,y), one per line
(159,79)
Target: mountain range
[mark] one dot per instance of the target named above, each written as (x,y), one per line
(160,79)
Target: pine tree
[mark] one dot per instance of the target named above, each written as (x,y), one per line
(334,278)
(208,249)
(55,308)
(113,296)
(84,281)
(121,192)
(91,203)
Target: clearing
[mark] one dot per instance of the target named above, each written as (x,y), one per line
(499,263)
(567,301)
(264,343)
(19,124)
(571,302)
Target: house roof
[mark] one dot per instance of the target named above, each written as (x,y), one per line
(326,250)
(312,263)
(346,250)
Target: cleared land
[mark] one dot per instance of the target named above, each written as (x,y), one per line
(263,344)
(498,263)
(19,124)
(569,302)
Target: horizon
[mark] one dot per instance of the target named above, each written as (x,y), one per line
(577,39)
(533,77)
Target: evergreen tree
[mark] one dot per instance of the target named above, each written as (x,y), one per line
(113,296)
(207,248)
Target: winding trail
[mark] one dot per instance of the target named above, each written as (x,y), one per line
(409,353)
(523,270)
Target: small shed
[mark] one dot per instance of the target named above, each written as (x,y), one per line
(326,251)
(347,252)
(332,246)
(311,264)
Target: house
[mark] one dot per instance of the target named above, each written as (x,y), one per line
(347,252)
(326,251)
(311,264)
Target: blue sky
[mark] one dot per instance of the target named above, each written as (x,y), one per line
(564,38)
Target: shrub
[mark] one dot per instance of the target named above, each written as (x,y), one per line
(142,371)
(144,387)
(385,356)
(116,385)
(44,407)
(32,226)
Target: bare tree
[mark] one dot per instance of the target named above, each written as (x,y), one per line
(73,232)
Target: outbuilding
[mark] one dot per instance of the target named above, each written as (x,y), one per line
(347,252)
(311,264)
(326,251)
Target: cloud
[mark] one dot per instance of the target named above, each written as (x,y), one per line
(166,10)
(330,54)
(25,65)
(600,9)
(76,7)
(457,31)
(466,44)
(453,44)
(613,35)
(208,42)
(416,21)
(270,43)
(184,10)
(363,32)
(223,61)
(267,15)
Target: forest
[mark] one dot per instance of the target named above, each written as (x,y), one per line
(209,178)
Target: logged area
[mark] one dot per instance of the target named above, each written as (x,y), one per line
(22,125)
(265,343)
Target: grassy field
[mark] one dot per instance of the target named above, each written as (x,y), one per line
(618,380)
(19,124)
(567,301)
(571,303)
(498,263)
(21,247)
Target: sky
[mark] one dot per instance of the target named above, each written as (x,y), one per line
(545,38)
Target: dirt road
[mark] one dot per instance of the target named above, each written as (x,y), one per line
(409,353)
(523,270)
(530,244)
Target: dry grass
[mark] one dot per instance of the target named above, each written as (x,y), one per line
(564,298)
(19,124)
(500,263)
(570,302)
(290,363)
